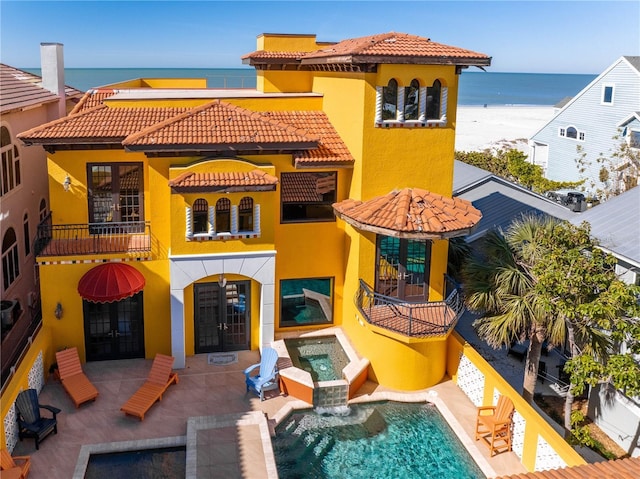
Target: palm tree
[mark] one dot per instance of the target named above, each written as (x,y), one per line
(499,282)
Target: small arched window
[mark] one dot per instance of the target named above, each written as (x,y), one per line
(572,132)
(433,101)
(27,235)
(200,216)
(10,263)
(43,209)
(223,215)
(245,214)
(390,101)
(412,101)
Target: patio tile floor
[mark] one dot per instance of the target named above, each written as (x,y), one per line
(214,393)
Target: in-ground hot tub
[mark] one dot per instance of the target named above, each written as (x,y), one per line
(323,368)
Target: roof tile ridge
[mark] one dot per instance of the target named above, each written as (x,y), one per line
(62,120)
(161,124)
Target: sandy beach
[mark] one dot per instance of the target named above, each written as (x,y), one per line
(478,127)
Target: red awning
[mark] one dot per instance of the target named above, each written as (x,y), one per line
(110,282)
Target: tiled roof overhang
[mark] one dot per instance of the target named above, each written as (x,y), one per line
(221,182)
(386,48)
(628,468)
(411,213)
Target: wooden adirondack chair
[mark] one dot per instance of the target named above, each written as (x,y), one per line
(160,378)
(30,422)
(74,381)
(267,377)
(12,470)
(495,427)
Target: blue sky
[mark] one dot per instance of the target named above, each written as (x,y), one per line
(521,36)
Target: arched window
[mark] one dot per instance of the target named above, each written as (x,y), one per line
(223,215)
(412,101)
(200,216)
(10,168)
(245,214)
(433,101)
(10,264)
(390,101)
(27,235)
(43,209)
(572,132)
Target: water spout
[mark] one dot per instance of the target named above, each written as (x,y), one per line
(339,411)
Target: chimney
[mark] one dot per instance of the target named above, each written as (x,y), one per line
(52,62)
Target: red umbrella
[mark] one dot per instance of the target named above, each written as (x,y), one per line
(110,282)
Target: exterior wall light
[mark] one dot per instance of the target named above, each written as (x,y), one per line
(58,311)
(67,183)
(222,281)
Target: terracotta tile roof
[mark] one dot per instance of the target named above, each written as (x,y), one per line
(217,180)
(331,149)
(628,468)
(303,187)
(223,124)
(100,124)
(389,47)
(266,54)
(91,99)
(20,89)
(412,213)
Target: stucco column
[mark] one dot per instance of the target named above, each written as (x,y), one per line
(177,328)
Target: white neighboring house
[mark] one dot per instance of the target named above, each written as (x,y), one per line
(608,107)
(616,224)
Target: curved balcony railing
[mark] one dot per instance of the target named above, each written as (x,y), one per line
(416,320)
(133,237)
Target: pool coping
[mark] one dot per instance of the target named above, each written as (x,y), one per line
(430,396)
(123,446)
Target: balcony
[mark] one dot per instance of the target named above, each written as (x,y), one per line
(132,238)
(412,320)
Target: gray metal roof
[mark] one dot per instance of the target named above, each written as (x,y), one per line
(499,200)
(634,61)
(616,223)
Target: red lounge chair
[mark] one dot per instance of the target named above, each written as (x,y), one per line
(73,378)
(160,378)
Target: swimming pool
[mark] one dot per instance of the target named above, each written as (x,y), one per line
(378,440)
(164,463)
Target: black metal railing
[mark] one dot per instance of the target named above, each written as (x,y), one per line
(92,238)
(17,340)
(411,319)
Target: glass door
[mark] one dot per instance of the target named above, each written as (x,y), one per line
(114,330)
(115,192)
(222,316)
(403,268)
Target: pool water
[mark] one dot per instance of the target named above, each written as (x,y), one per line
(163,463)
(380,440)
(323,357)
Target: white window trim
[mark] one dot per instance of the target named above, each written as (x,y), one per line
(223,235)
(420,122)
(613,94)
(562,133)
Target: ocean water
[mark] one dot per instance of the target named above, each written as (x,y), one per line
(476,87)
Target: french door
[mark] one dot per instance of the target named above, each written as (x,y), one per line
(222,316)
(403,268)
(114,330)
(115,192)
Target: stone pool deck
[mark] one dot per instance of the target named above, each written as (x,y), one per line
(224,428)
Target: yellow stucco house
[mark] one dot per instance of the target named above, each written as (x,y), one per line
(186,220)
